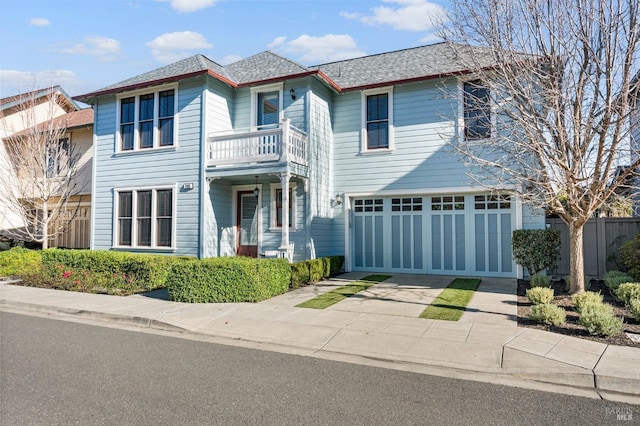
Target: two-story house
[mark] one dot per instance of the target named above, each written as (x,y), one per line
(267,156)
(25,117)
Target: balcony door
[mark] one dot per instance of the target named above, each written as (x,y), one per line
(247,224)
(268,109)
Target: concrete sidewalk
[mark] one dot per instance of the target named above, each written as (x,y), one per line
(377,327)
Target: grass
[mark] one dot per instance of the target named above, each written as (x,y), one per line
(450,304)
(334,296)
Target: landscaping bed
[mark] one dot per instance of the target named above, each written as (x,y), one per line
(571,326)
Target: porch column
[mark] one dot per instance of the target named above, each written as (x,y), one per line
(284,155)
(284,242)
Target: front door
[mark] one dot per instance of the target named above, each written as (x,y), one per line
(247,224)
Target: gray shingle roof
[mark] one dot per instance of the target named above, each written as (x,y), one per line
(263,66)
(407,64)
(194,64)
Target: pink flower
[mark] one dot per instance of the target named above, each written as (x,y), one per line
(67,274)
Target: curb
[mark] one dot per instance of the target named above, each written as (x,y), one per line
(583,383)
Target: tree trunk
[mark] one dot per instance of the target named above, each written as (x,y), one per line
(576,257)
(45,225)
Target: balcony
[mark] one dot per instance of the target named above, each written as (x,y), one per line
(282,144)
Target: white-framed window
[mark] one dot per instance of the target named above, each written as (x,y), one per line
(58,157)
(277,206)
(477,110)
(377,120)
(267,105)
(147,120)
(145,217)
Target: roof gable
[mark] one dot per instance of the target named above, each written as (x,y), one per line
(263,66)
(38,96)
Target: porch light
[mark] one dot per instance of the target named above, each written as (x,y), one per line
(292,92)
(256,191)
(338,199)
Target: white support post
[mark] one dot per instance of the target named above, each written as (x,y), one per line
(284,155)
(284,243)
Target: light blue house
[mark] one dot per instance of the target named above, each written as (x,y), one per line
(267,157)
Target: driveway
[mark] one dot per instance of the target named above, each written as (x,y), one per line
(407,295)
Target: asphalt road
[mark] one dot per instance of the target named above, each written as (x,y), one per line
(55,372)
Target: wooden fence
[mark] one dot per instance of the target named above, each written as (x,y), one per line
(602,238)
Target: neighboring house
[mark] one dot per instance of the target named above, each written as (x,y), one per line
(205,160)
(23,113)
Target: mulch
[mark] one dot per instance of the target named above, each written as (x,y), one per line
(571,327)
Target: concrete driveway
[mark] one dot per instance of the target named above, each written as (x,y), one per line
(407,295)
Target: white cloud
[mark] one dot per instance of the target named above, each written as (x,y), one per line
(170,47)
(276,42)
(103,48)
(327,48)
(14,82)
(406,15)
(39,22)
(188,6)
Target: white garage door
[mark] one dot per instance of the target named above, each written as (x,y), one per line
(444,234)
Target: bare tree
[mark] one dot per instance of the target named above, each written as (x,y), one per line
(560,77)
(39,189)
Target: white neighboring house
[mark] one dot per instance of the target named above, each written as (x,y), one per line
(19,113)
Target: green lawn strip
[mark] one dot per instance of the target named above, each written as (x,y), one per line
(334,296)
(450,304)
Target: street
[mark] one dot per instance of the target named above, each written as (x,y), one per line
(56,372)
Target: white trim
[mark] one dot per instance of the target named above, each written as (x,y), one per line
(456,190)
(94,171)
(272,205)
(363,117)
(276,87)
(134,197)
(156,112)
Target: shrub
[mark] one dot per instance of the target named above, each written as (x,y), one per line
(316,270)
(228,279)
(630,255)
(613,279)
(626,292)
(635,308)
(540,295)
(20,261)
(540,280)
(600,320)
(547,313)
(108,269)
(580,300)
(300,274)
(335,265)
(536,249)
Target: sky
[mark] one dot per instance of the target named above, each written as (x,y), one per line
(85,45)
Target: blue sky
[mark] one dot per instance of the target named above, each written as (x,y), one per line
(84,45)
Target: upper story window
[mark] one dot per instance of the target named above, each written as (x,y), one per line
(146,121)
(377,121)
(266,105)
(477,110)
(58,157)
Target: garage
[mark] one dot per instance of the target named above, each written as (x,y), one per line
(450,234)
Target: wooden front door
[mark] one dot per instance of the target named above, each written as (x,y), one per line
(247,224)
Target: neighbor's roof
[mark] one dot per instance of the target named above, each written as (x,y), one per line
(63,98)
(69,121)
(368,71)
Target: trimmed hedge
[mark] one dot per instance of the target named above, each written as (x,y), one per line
(314,270)
(536,249)
(228,279)
(20,262)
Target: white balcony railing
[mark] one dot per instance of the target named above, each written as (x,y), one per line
(282,144)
